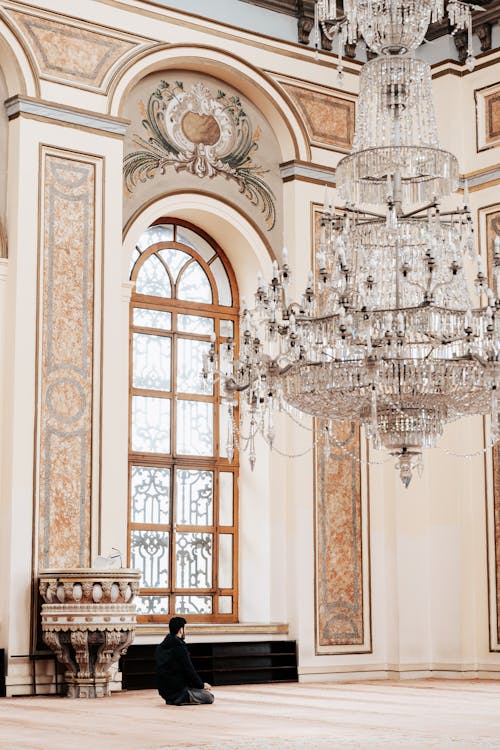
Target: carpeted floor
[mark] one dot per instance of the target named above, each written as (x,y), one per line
(410,715)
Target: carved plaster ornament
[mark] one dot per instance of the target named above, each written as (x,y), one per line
(203,134)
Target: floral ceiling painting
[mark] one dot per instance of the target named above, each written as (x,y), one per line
(193,129)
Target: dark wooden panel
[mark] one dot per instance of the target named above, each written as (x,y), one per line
(219,663)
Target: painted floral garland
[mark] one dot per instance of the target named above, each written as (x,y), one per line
(207,136)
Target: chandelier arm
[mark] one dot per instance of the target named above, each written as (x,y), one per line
(352,210)
(456,212)
(432,204)
(231,386)
(440,284)
(443,341)
(415,284)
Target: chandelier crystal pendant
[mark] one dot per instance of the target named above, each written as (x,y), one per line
(390,27)
(388,332)
(396,136)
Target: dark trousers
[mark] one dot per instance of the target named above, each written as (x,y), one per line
(197,695)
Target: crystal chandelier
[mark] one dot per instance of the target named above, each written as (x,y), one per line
(388,333)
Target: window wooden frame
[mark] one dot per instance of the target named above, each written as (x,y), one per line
(174,461)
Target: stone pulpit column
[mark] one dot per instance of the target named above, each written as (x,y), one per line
(88,620)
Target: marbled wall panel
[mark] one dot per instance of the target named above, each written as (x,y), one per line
(329,119)
(341,538)
(338,540)
(77,54)
(66,361)
(492,230)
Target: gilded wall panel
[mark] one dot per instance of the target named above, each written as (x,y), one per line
(66,361)
(341,538)
(329,119)
(492,225)
(71,53)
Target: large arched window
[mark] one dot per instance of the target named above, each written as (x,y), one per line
(183,488)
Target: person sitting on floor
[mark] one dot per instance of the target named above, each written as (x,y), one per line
(178,682)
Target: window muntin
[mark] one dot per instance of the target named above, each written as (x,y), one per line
(183,488)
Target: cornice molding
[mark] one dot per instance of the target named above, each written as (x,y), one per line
(309,172)
(18,106)
(302,170)
(481,179)
(289,7)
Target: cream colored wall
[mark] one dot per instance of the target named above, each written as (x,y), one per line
(19,369)
(427,544)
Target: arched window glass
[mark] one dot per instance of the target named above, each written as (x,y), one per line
(193,285)
(183,488)
(152,278)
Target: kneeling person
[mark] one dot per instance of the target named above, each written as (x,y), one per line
(178,682)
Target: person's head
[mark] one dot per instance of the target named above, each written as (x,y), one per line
(176,626)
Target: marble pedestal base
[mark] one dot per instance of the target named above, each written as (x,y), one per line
(88,620)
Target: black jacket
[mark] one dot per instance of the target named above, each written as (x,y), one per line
(175,670)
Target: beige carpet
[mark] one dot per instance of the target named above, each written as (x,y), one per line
(430,714)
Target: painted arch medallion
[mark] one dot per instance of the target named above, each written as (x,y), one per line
(186,129)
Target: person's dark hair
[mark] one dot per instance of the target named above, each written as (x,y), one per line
(175,624)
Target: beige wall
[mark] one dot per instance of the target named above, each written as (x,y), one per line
(429,594)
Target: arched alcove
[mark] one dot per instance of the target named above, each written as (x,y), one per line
(249,252)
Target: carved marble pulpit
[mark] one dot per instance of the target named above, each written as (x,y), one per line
(88,620)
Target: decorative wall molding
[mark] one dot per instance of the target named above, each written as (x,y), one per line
(318,174)
(489,226)
(482,179)
(279,6)
(26,106)
(65,358)
(342,557)
(329,119)
(360,671)
(487,117)
(302,170)
(72,51)
(4,247)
